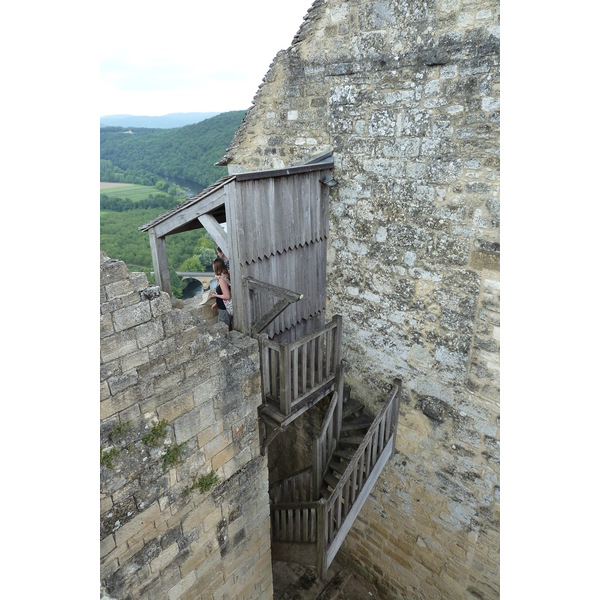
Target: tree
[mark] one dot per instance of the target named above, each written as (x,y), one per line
(176,283)
(206,257)
(191,265)
(205,242)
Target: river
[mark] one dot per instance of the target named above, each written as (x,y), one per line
(195,288)
(192,188)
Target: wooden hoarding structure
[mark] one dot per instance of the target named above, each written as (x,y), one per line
(277,224)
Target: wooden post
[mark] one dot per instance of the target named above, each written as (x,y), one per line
(265,365)
(317,468)
(158,249)
(321,538)
(395,412)
(285,380)
(339,387)
(337,352)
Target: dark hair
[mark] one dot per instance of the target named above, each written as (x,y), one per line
(219,266)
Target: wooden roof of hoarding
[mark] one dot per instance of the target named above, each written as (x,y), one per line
(205,193)
(207,196)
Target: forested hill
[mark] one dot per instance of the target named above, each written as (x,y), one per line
(163,122)
(136,155)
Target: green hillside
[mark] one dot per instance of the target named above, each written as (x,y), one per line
(190,152)
(146,157)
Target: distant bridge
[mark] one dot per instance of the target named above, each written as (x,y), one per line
(203,278)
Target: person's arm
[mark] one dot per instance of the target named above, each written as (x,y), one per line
(225,290)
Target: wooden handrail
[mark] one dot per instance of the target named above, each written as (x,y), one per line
(315,334)
(292,476)
(289,505)
(368,454)
(368,437)
(295,487)
(311,524)
(327,441)
(293,373)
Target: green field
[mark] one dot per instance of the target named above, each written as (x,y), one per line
(136,193)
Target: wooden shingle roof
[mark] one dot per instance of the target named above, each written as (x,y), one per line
(211,189)
(315,164)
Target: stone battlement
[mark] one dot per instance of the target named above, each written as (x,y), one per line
(184,489)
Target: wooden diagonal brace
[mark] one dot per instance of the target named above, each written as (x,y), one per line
(275,431)
(286,298)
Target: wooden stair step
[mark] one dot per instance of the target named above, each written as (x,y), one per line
(355,440)
(362,422)
(331,479)
(325,492)
(352,407)
(345,454)
(337,466)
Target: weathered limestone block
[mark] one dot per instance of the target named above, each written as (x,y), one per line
(131,316)
(174,406)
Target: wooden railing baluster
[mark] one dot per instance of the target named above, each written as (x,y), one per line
(303,362)
(320,359)
(328,353)
(353,481)
(368,458)
(320,526)
(294,374)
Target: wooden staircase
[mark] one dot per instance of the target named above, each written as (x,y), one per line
(313,509)
(355,425)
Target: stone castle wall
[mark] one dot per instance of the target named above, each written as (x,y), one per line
(406,94)
(196,387)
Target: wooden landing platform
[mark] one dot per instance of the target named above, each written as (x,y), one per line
(271,413)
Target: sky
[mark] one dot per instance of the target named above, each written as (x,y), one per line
(184,56)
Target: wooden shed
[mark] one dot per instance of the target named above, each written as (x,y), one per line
(273,227)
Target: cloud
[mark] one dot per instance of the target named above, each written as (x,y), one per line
(180,57)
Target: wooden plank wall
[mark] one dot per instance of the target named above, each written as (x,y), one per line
(283,241)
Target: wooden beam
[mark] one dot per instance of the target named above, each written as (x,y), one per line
(269,316)
(216,232)
(158,249)
(263,286)
(269,438)
(287,297)
(193,211)
(334,545)
(283,172)
(269,411)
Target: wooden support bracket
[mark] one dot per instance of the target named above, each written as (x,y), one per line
(216,232)
(270,315)
(287,297)
(268,438)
